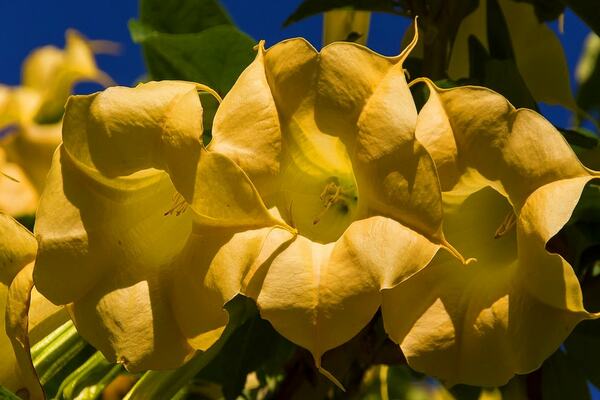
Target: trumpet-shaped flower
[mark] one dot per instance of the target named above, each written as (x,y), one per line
(26,315)
(30,113)
(510,183)
(129,198)
(328,139)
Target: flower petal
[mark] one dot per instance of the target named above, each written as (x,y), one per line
(516,301)
(255,146)
(17,195)
(123,130)
(53,73)
(495,140)
(126,315)
(107,245)
(225,196)
(17,248)
(33,147)
(212,270)
(321,295)
(17,321)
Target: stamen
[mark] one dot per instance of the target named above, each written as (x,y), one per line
(507,225)
(179,205)
(332,194)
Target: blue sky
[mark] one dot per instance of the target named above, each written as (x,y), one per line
(27,24)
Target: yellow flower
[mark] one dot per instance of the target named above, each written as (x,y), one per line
(31,113)
(53,72)
(119,223)
(26,315)
(510,184)
(328,139)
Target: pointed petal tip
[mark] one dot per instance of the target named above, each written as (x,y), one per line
(330,376)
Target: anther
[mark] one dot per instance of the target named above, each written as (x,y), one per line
(179,205)
(507,225)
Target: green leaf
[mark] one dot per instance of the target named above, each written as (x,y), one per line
(587,10)
(313,7)
(588,72)
(254,345)
(499,41)
(465,392)
(6,394)
(500,75)
(562,378)
(546,10)
(214,57)
(583,346)
(580,137)
(189,16)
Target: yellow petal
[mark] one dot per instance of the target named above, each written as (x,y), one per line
(17,195)
(212,270)
(123,130)
(480,324)
(321,295)
(158,125)
(495,140)
(17,321)
(545,212)
(53,73)
(32,147)
(18,105)
(394,170)
(17,248)
(517,298)
(43,318)
(108,249)
(254,147)
(17,251)
(9,373)
(225,196)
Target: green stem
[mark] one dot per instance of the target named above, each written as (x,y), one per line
(88,381)
(55,351)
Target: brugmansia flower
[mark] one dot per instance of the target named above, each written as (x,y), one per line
(145,234)
(31,113)
(329,141)
(129,193)
(510,183)
(29,316)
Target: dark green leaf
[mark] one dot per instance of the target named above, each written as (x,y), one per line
(28,221)
(465,392)
(313,7)
(399,381)
(214,57)
(583,346)
(588,93)
(587,10)
(501,76)
(580,137)
(546,10)
(254,345)
(179,16)
(499,41)
(562,379)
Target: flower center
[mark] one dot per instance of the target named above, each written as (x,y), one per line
(318,191)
